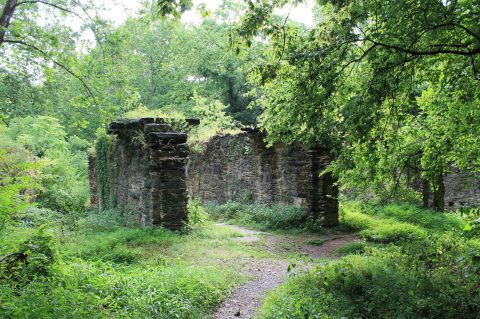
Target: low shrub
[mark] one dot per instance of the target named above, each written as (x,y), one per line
(265,217)
(379,229)
(122,273)
(471,216)
(392,233)
(124,245)
(356,247)
(102,221)
(387,282)
(353,220)
(36,216)
(97,290)
(422,217)
(196,213)
(413,270)
(34,258)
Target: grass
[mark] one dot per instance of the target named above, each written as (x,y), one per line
(413,263)
(386,227)
(415,215)
(263,217)
(356,247)
(113,271)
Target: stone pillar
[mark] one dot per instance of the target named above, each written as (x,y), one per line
(168,154)
(148,179)
(324,206)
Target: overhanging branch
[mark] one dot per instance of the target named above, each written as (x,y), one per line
(56,6)
(64,67)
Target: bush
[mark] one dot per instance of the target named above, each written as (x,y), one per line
(356,247)
(122,245)
(471,216)
(64,175)
(392,233)
(354,221)
(35,258)
(104,221)
(196,213)
(97,290)
(423,272)
(409,213)
(385,283)
(378,229)
(265,217)
(37,216)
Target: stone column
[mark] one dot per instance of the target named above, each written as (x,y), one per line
(168,155)
(151,161)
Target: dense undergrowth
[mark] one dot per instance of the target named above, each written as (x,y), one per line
(408,263)
(102,269)
(412,263)
(263,217)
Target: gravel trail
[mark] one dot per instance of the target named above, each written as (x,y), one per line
(245,300)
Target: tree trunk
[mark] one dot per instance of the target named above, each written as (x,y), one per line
(425,193)
(7,14)
(434,198)
(439,194)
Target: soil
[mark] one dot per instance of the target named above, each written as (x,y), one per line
(245,301)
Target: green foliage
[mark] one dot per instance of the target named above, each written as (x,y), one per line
(102,170)
(423,272)
(196,213)
(387,93)
(396,223)
(120,245)
(415,215)
(64,174)
(37,216)
(97,290)
(35,258)
(106,220)
(17,178)
(145,61)
(265,217)
(116,273)
(173,8)
(356,247)
(383,284)
(212,116)
(316,242)
(394,233)
(472,218)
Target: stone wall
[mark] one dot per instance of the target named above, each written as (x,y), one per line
(242,167)
(456,189)
(148,176)
(146,172)
(462,189)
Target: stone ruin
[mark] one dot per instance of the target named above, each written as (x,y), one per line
(147,162)
(242,167)
(151,176)
(458,189)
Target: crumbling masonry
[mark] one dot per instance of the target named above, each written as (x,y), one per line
(148,173)
(242,167)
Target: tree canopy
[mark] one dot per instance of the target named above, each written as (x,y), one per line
(392,85)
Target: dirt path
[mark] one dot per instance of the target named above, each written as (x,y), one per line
(269,273)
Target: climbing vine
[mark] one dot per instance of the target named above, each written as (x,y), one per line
(102,155)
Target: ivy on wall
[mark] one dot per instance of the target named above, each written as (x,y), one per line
(102,162)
